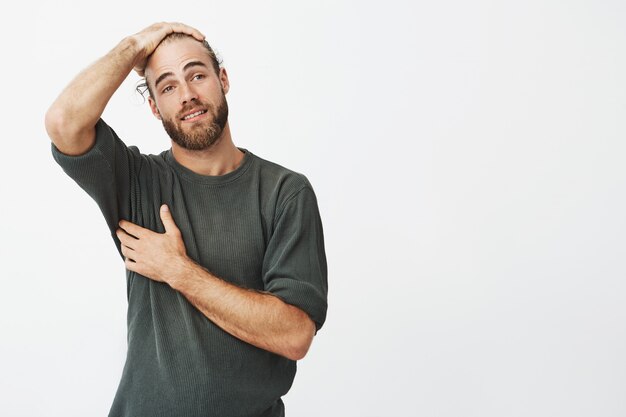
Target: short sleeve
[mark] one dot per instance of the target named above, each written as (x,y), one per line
(294,266)
(106,172)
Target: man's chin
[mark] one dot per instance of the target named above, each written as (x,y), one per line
(196,144)
(194,136)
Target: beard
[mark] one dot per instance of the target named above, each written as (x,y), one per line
(202,134)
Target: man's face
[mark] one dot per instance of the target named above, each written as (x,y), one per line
(188,96)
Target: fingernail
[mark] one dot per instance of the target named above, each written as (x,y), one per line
(164,207)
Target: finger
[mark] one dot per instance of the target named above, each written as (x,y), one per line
(125,238)
(181,27)
(130,264)
(133,229)
(168,220)
(128,252)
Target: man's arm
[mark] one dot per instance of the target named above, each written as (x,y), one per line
(70,121)
(258,318)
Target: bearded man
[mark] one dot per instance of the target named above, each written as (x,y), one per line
(224,251)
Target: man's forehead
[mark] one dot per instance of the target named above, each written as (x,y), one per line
(173,55)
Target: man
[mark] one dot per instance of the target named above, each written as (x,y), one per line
(224,251)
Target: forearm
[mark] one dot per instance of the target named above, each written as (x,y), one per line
(260,319)
(74,114)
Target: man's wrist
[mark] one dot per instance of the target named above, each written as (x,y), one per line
(181,270)
(130,49)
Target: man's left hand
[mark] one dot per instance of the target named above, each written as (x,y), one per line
(158,256)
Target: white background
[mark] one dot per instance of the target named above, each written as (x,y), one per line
(469,162)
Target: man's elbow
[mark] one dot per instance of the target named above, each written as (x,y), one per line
(300,341)
(53,122)
(69,138)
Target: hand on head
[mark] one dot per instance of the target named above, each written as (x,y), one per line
(149,38)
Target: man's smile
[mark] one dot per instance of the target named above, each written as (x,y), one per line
(193,115)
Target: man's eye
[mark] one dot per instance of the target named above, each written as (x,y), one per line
(167,89)
(198,76)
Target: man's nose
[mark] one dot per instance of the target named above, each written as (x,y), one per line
(187,93)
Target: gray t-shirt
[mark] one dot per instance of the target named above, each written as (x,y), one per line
(257,227)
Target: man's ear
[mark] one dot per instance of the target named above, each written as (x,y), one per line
(154,108)
(224,80)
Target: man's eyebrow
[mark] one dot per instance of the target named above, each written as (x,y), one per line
(194,64)
(162,77)
(185,68)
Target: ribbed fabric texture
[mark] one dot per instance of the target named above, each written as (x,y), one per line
(258,227)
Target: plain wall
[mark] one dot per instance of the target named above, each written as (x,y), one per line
(468,159)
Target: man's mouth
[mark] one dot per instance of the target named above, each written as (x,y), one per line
(193,115)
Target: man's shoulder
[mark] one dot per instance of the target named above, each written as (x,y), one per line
(285,181)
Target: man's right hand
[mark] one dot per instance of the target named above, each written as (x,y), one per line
(148,39)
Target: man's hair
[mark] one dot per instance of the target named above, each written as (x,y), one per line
(216,62)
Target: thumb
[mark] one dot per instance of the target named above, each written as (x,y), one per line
(168,220)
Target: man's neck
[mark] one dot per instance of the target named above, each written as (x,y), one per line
(221,158)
